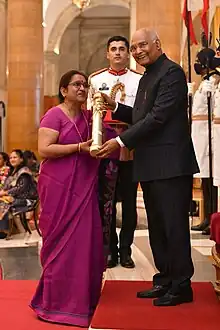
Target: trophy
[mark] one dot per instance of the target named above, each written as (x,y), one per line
(98,105)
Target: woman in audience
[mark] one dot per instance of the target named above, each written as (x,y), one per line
(72,253)
(4,168)
(19,191)
(31,162)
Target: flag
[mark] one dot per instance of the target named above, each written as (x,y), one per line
(186,14)
(195,5)
(204,18)
(212,8)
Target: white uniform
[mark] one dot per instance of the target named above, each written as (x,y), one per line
(216,138)
(105,79)
(200,135)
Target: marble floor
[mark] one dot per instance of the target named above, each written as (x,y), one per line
(19,258)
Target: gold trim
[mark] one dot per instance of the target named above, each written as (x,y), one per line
(200,117)
(97,72)
(217,120)
(115,89)
(135,71)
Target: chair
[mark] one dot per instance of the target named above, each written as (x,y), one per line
(24,221)
(198,197)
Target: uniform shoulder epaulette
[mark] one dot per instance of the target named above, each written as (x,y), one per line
(97,72)
(132,70)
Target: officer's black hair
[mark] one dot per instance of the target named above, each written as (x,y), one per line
(118,38)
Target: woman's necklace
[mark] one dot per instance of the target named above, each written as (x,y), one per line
(74,123)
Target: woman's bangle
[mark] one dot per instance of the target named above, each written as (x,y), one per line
(79,147)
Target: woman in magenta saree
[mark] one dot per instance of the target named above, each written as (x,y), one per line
(72,253)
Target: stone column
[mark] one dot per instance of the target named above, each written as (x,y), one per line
(3,50)
(165,18)
(25,73)
(51,69)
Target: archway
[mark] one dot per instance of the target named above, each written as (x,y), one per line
(59,14)
(83,44)
(67,47)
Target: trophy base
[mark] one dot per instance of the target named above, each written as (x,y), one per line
(94,150)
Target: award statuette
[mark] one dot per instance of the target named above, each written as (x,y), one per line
(98,105)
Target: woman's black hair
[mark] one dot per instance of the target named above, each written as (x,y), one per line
(66,79)
(23,163)
(28,154)
(5,157)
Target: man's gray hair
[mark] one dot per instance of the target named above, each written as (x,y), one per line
(152,34)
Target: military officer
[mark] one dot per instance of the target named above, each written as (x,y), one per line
(216,122)
(121,83)
(200,133)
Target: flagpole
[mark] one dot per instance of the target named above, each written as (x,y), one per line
(209,102)
(189,66)
(190,81)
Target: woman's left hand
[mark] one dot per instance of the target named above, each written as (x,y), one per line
(3,193)
(85,146)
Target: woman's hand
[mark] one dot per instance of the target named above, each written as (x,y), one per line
(85,146)
(3,193)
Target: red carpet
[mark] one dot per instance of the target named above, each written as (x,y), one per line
(120,309)
(14,311)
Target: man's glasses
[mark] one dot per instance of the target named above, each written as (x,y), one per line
(78,84)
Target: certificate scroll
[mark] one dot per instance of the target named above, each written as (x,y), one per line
(98,107)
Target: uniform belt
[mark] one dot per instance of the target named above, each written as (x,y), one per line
(217,120)
(200,117)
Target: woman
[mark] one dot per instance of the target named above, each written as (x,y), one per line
(4,168)
(72,252)
(19,191)
(31,161)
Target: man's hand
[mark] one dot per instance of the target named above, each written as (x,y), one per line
(110,104)
(107,148)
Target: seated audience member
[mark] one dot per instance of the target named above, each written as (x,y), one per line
(4,168)
(31,161)
(18,193)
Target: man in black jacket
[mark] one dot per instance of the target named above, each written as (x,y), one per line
(164,164)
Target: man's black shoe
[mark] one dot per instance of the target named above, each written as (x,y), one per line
(201,226)
(126,261)
(206,231)
(155,292)
(112,261)
(170,299)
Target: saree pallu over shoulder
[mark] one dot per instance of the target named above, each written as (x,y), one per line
(72,252)
(12,179)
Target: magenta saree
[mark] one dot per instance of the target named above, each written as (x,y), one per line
(72,253)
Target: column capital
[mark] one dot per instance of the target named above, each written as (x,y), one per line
(51,57)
